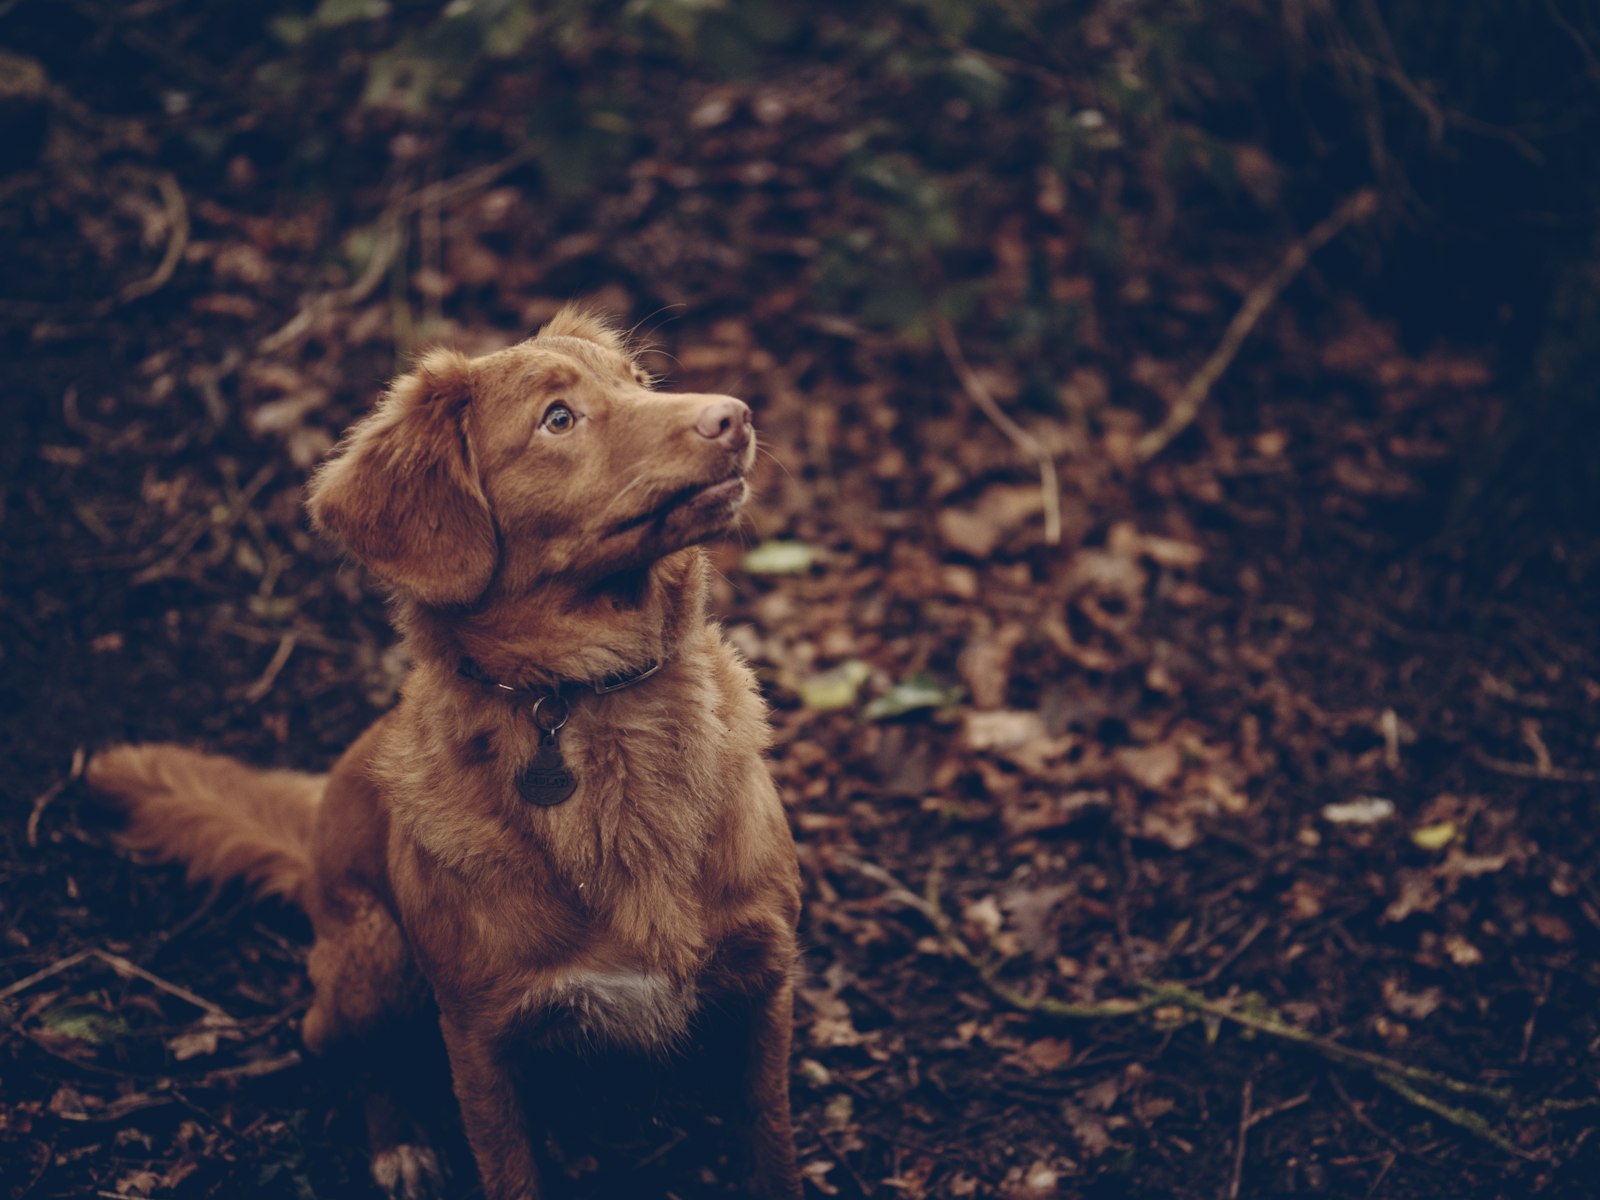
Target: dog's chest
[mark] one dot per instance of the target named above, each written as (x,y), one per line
(614,1007)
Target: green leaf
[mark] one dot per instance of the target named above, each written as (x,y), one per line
(1434,837)
(836,688)
(780,558)
(332,13)
(85,1023)
(920,691)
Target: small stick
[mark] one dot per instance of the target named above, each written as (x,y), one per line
(1398,1077)
(391,238)
(258,690)
(1358,207)
(248,1070)
(169,562)
(1238,1149)
(44,799)
(55,968)
(177,242)
(1049,484)
(1529,771)
(129,969)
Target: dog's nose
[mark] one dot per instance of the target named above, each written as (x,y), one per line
(725,420)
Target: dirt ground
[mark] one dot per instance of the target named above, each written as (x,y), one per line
(1238,841)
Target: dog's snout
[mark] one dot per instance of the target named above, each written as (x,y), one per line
(726,421)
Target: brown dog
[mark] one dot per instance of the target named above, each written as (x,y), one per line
(564,835)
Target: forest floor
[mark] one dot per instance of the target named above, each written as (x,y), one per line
(1238,841)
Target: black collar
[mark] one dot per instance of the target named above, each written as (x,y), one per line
(470,670)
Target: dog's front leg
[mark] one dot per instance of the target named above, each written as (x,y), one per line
(492,1112)
(774,1174)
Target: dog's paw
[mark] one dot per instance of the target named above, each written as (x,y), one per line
(408,1172)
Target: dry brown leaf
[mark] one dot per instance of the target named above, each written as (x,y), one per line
(1003,730)
(1172,828)
(999,512)
(1036,813)
(1419,892)
(1151,767)
(1415,1005)
(985,664)
(1043,1056)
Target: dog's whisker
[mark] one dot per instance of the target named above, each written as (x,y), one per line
(665,308)
(776,461)
(635,482)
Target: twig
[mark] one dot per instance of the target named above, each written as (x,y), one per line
(1461,1118)
(168,563)
(1404,1080)
(1049,484)
(1571,30)
(1530,771)
(1273,1110)
(257,691)
(124,968)
(55,968)
(44,798)
(177,243)
(1358,207)
(1238,1149)
(391,237)
(133,970)
(250,1070)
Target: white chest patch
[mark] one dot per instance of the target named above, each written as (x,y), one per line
(641,1010)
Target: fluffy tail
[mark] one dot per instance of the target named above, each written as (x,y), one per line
(220,818)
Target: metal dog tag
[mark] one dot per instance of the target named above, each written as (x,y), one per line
(546,781)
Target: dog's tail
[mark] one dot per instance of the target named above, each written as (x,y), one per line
(221,819)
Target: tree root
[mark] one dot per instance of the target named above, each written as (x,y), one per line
(1250,1012)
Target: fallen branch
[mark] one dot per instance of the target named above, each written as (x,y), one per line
(44,798)
(122,967)
(1358,207)
(1404,1080)
(391,225)
(1548,774)
(177,243)
(256,692)
(1049,484)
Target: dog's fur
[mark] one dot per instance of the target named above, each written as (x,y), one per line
(549,558)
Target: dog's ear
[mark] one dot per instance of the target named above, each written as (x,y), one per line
(401,492)
(578,322)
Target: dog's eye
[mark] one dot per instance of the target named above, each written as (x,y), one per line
(558,418)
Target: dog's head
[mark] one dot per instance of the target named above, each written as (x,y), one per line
(550,459)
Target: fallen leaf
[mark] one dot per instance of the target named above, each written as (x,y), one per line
(984,916)
(919,692)
(138,1183)
(985,665)
(1415,1005)
(1552,927)
(999,512)
(836,688)
(82,1023)
(1003,730)
(1151,767)
(780,558)
(1434,837)
(1363,810)
(1418,893)
(1043,1056)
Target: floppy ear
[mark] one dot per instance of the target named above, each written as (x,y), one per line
(576,321)
(401,494)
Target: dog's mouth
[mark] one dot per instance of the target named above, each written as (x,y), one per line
(702,498)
